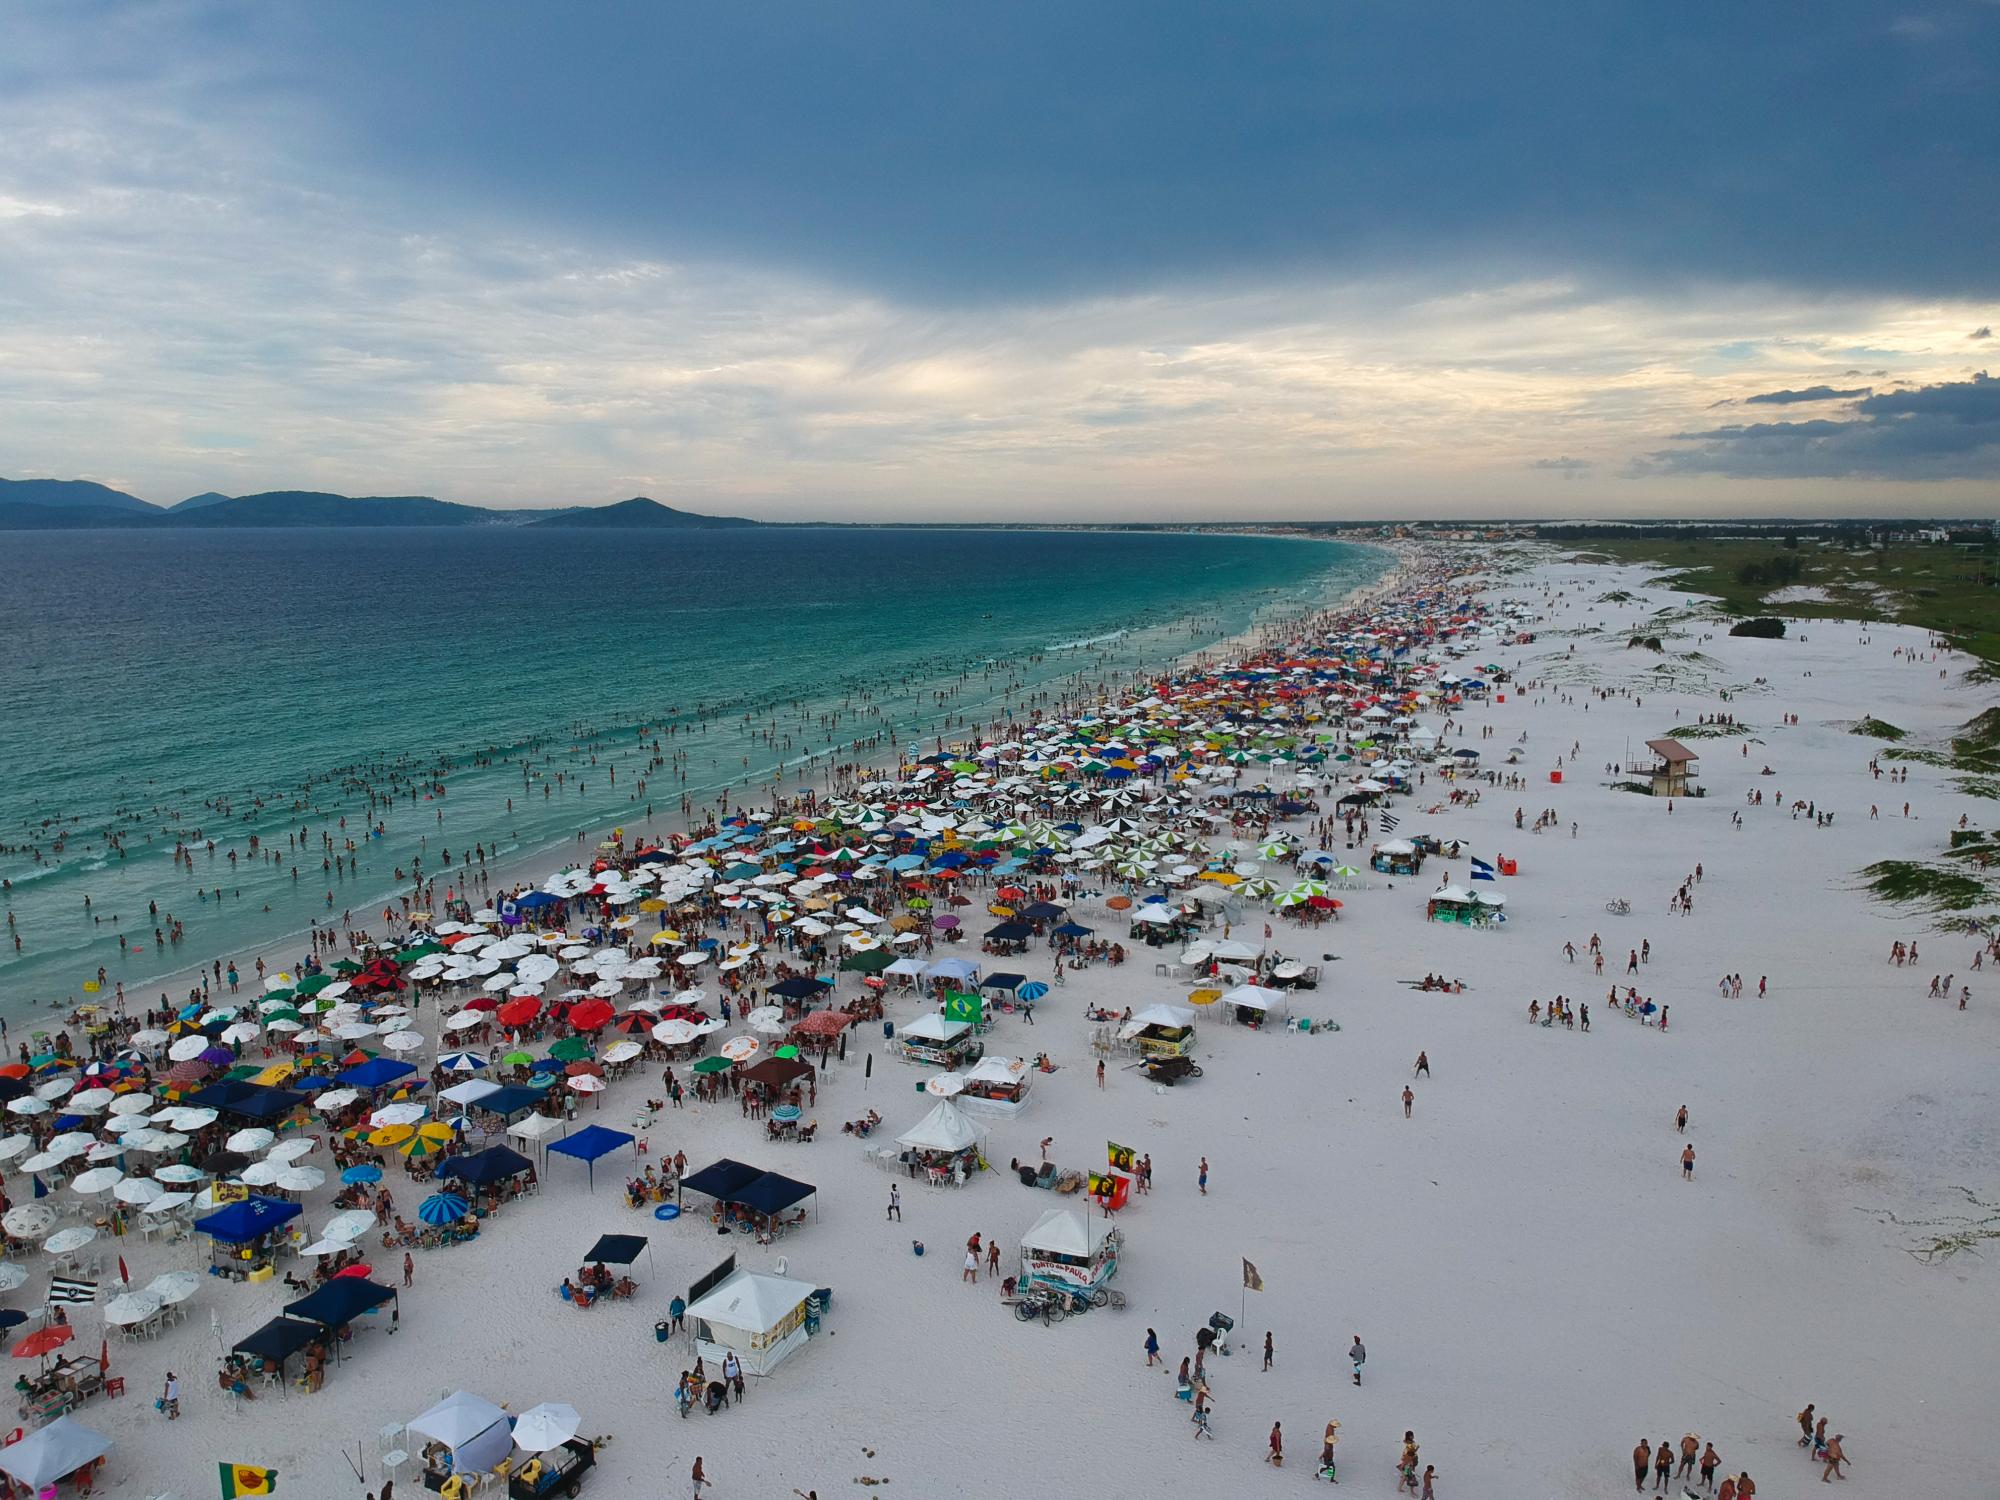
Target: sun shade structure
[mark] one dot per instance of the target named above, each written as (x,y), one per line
(494,1164)
(762,1318)
(590,1143)
(773,1193)
(473,1428)
(55,1452)
(278,1340)
(617,1249)
(239,1223)
(721,1180)
(374,1073)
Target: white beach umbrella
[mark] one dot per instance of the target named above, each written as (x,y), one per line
(255,1138)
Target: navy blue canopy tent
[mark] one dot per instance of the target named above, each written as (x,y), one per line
(239,1223)
(1039,911)
(721,1180)
(800,988)
(340,1301)
(374,1073)
(773,1193)
(265,1104)
(221,1095)
(1010,932)
(1073,929)
(278,1340)
(535,901)
(619,1250)
(1004,981)
(590,1143)
(511,1100)
(495,1164)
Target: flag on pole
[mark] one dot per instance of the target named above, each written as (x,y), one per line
(70,1289)
(1389,822)
(1251,1280)
(247,1479)
(124,1276)
(1480,869)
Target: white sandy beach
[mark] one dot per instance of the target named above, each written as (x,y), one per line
(1537,1286)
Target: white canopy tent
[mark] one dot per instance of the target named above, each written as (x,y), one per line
(471,1426)
(944,1129)
(935,1028)
(55,1452)
(761,1317)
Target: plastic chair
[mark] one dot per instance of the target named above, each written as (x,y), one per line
(390,1439)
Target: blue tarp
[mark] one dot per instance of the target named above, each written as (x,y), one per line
(375,1072)
(491,1165)
(341,1300)
(239,1223)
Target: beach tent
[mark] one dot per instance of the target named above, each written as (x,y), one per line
(471,1092)
(951,968)
(536,1128)
(944,1129)
(239,1223)
(935,1028)
(1070,1250)
(995,1085)
(510,1100)
(762,1318)
(617,1249)
(374,1073)
(494,1164)
(590,1143)
(1258,998)
(55,1452)
(278,1340)
(264,1103)
(473,1428)
(340,1301)
(720,1180)
(773,1193)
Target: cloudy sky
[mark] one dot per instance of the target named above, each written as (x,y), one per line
(1323,259)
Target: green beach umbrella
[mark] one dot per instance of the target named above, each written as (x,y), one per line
(713,1065)
(516,1060)
(313,984)
(570,1049)
(787,1052)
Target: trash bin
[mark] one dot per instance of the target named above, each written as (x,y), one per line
(660,1331)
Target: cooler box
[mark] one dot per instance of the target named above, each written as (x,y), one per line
(1555,776)
(1510,867)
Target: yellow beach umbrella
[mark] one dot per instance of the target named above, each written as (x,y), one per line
(1204,997)
(391,1135)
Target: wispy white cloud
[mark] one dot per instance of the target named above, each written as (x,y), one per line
(186,307)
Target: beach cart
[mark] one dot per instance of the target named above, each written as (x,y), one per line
(561,1472)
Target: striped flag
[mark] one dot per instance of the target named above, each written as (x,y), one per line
(1480,869)
(1389,821)
(68,1289)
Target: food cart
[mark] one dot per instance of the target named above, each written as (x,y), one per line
(936,1042)
(1396,857)
(1161,1031)
(1068,1250)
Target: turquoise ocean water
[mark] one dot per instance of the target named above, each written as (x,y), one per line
(172,690)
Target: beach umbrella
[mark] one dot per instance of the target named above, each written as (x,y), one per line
(27,1104)
(403,1041)
(137,1191)
(673,1033)
(292,1150)
(1034,989)
(97,1180)
(713,1065)
(367,1171)
(261,1173)
(180,1172)
(738,1048)
(188,1048)
(570,1049)
(132,1104)
(443,1208)
(28,1221)
(391,1135)
(44,1341)
(173,1286)
(256,1138)
(336,1099)
(12,1274)
(349,1225)
(91,1102)
(461,1062)
(20,1145)
(547,1426)
(945,1085)
(625,1051)
(427,1140)
(787,1052)
(298,1179)
(401,1113)
(69,1241)
(130,1307)
(56,1088)
(586,1084)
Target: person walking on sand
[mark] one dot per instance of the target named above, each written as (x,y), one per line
(1201,1177)
(1153,1349)
(700,1477)
(170,1397)
(1430,1480)
(1358,1355)
(1642,1459)
(1276,1457)
(1835,1457)
(1806,1426)
(1408,1099)
(1270,1349)
(1687,1163)
(895,1203)
(971,1273)
(1681,1121)
(1423,1065)
(993,1257)
(409,1269)
(1326,1463)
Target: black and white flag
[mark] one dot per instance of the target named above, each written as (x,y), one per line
(67,1289)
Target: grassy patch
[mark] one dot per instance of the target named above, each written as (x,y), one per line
(1708,731)
(1980,786)
(1909,883)
(1876,729)
(1921,757)
(1947,589)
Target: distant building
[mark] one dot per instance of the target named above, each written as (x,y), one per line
(1671,772)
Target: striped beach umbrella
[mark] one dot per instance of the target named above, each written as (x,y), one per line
(442,1208)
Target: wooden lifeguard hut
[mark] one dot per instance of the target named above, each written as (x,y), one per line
(1671,772)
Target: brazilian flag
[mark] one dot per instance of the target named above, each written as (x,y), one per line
(247,1479)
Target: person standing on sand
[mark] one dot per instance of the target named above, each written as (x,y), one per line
(971,1272)
(1423,1065)
(1681,1121)
(1152,1349)
(1690,1450)
(1746,1487)
(1358,1356)
(1710,1462)
(1728,1490)
(1663,1467)
(1642,1459)
(1806,1425)
(993,1257)
(1270,1349)
(1408,1099)
(1276,1457)
(1430,1479)
(1201,1177)
(1687,1163)
(1100,1072)
(895,1204)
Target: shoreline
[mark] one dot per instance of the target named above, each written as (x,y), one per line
(532,865)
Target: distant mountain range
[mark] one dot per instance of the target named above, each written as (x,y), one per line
(82,504)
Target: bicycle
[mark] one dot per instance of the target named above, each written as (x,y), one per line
(1619,907)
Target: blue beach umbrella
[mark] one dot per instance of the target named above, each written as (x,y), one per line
(366,1172)
(461,1062)
(1034,989)
(442,1208)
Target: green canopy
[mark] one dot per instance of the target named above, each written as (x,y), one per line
(713,1065)
(312,984)
(787,1052)
(874,961)
(422,950)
